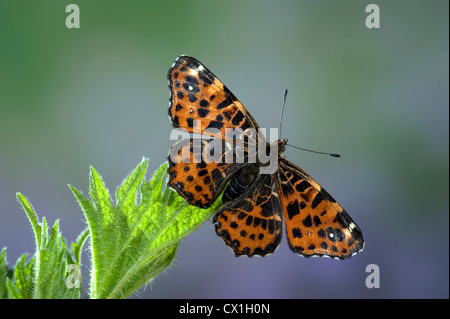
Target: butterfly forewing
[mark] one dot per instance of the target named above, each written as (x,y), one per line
(196,94)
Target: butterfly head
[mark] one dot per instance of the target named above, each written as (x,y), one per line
(282,145)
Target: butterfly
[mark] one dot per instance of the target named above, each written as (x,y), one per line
(255,204)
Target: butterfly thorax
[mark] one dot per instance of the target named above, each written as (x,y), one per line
(246,176)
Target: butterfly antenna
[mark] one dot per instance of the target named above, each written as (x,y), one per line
(282,109)
(305,149)
(281,126)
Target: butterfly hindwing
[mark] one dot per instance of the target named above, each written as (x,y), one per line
(252,223)
(194,175)
(316,225)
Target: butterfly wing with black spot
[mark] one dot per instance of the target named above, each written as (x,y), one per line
(252,223)
(196,94)
(198,169)
(316,225)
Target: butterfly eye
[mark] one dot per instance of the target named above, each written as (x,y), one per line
(282,146)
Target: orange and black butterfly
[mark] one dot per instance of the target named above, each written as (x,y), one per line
(255,204)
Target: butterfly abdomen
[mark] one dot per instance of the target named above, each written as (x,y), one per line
(238,184)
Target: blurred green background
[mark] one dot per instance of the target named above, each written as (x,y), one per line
(98,95)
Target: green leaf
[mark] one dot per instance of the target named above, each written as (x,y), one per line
(3,275)
(51,261)
(32,217)
(78,245)
(21,285)
(136,238)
